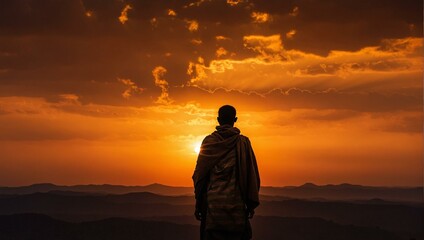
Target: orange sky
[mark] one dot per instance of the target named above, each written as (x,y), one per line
(121,92)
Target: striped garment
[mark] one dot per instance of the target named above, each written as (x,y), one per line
(225,207)
(226,181)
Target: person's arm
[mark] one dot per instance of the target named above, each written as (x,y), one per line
(200,186)
(253,182)
(200,207)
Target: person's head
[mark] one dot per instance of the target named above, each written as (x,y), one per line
(227,115)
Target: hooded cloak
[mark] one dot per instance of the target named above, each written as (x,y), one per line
(225,156)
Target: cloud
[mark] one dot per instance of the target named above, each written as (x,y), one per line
(132,88)
(401,122)
(368,69)
(37,119)
(221,38)
(234,2)
(69,98)
(260,17)
(76,49)
(294,12)
(409,46)
(197,3)
(196,41)
(171,12)
(28,112)
(192,25)
(123,18)
(333,99)
(200,122)
(24,118)
(291,99)
(290,34)
(158,74)
(269,47)
(197,72)
(220,52)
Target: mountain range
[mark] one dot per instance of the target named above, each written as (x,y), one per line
(48,211)
(401,218)
(306,191)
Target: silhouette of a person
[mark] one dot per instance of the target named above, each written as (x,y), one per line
(226,181)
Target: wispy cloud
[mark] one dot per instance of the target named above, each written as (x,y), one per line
(261,17)
(270,48)
(290,34)
(220,52)
(158,74)
(171,12)
(192,25)
(196,3)
(123,18)
(294,12)
(371,68)
(70,98)
(132,88)
(196,41)
(234,2)
(221,38)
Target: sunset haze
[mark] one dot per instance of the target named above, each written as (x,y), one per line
(123,92)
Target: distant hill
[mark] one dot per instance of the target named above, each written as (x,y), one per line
(313,229)
(347,192)
(99,189)
(91,207)
(35,226)
(391,216)
(306,191)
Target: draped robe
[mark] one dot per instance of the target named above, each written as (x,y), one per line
(226,179)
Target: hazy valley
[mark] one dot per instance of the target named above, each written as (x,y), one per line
(47,211)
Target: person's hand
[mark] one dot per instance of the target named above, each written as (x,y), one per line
(198,215)
(250,213)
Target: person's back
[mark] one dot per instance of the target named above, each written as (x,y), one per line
(226,181)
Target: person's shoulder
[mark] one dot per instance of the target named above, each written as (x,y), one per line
(209,138)
(244,138)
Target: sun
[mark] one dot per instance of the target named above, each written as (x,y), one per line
(197,147)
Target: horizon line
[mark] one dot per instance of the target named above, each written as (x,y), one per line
(156,183)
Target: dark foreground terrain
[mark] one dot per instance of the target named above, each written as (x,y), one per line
(26,213)
(36,226)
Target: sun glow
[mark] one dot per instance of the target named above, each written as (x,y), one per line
(197,147)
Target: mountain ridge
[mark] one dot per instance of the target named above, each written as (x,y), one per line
(344,191)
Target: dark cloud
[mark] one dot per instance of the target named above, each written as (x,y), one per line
(322,26)
(409,100)
(333,99)
(41,17)
(51,47)
(374,65)
(41,129)
(407,124)
(335,115)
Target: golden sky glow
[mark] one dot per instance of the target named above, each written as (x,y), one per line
(123,92)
